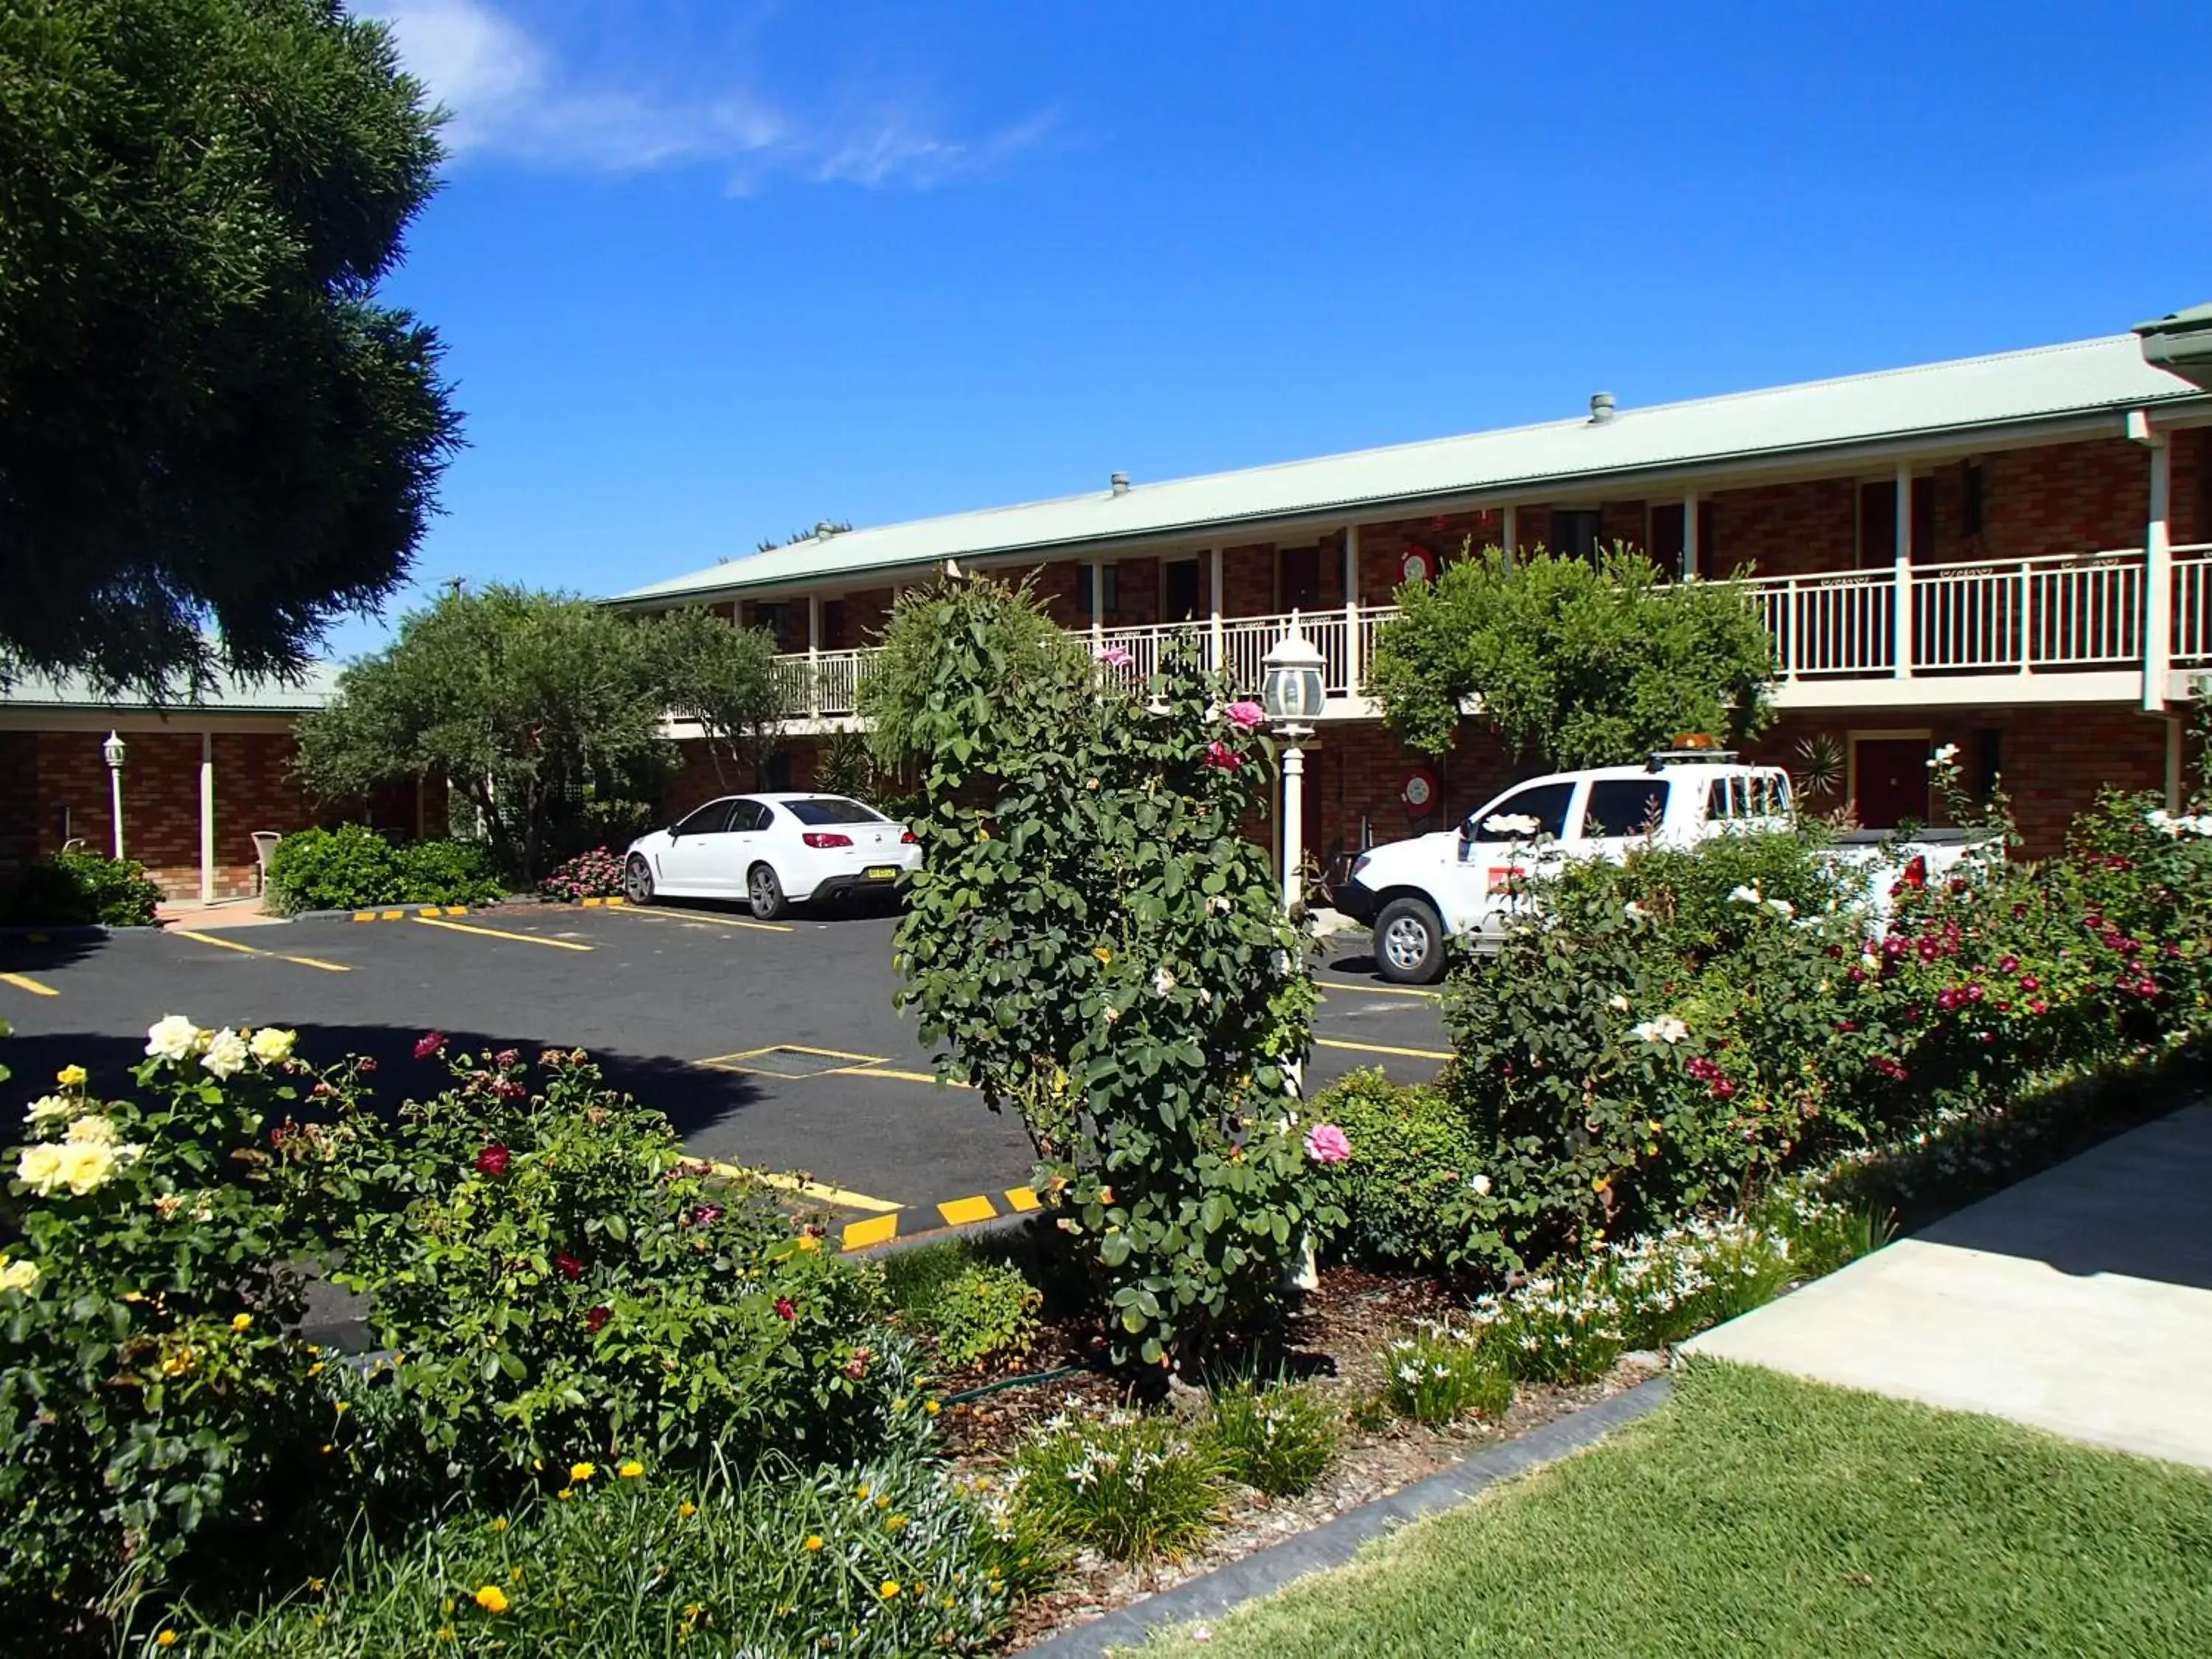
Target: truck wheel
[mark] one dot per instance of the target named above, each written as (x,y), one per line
(1409,943)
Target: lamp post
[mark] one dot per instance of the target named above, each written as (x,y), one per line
(111,752)
(1292,694)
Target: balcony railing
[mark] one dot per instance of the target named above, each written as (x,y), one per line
(2057,615)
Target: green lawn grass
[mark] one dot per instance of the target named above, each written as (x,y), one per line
(1757,1514)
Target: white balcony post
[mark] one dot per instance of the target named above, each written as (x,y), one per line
(1901,648)
(1689,533)
(2158,576)
(814,654)
(1509,530)
(1353,669)
(1214,644)
(1098,605)
(207,817)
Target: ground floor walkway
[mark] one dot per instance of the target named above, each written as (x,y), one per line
(2079,1301)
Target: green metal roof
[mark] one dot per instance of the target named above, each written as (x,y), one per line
(228,695)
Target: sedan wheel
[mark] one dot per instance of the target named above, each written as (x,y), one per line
(1409,943)
(637,880)
(765,893)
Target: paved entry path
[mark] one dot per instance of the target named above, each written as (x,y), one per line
(2079,1301)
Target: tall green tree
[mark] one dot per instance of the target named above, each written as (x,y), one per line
(207,419)
(721,679)
(1575,662)
(542,710)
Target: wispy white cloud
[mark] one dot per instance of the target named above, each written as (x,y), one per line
(509,93)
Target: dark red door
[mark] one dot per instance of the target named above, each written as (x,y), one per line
(1891,782)
(1301,579)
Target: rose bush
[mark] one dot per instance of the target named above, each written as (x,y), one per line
(594,874)
(1099,945)
(153,1398)
(557,1282)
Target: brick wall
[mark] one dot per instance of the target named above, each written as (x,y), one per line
(2053,760)
(1247,581)
(20,809)
(1785,530)
(2067,498)
(2191,509)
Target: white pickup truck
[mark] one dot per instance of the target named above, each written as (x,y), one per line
(1417,894)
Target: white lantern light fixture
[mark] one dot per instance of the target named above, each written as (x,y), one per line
(1291,691)
(111,752)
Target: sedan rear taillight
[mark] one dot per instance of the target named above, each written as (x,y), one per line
(824,838)
(907,840)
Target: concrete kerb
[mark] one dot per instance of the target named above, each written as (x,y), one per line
(398,912)
(74,932)
(1335,1542)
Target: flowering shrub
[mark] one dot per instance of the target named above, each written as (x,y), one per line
(151,1391)
(594,874)
(890,1558)
(1099,946)
(1275,1439)
(1120,1482)
(1439,1375)
(558,1283)
(988,1310)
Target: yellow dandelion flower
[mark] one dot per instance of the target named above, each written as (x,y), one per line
(687,1509)
(863,1492)
(315,1369)
(888,1589)
(343,1407)
(1102,953)
(630,1469)
(166,1638)
(445,1632)
(895,1524)
(241,1321)
(932,1408)
(492,1599)
(883,1502)
(813,1543)
(328,1449)
(580,1473)
(565,1493)
(499,1523)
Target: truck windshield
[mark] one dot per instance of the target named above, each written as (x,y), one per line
(1546,802)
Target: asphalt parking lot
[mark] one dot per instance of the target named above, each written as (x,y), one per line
(774,1045)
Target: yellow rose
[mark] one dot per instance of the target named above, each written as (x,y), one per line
(17,1275)
(40,1168)
(75,1077)
(242,1322)
(85,1165)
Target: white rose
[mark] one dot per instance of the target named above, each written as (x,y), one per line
(40,1168)
(17,1275)
(1617,1003)
(1781,906)
(172,1038)
(47,1108)
(272,1047)
(1481,1185)
(91,1130)
(1666,1028)
(1162,982)
(226,1053)
(85,1165)
(1743,895)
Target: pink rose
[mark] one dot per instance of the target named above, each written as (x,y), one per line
(1116,656)
(1219,753)
(1246,716)
(1327,1144)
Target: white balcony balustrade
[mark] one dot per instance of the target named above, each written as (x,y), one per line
(2065,613)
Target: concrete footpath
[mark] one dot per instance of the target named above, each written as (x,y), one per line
(2079,1301)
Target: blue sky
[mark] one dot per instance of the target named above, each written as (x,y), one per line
(710,271)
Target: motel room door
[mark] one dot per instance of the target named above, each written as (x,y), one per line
(1890,781)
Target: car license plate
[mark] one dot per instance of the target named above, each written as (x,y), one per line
(883,873)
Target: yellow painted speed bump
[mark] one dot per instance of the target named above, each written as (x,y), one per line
(966,1212)
(1023,1198)
(876,1230)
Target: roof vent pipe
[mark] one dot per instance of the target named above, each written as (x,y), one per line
(1601,408)
(1121,482)
(824,530)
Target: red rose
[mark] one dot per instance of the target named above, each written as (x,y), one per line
(706,1215)
(366,1064)
(429,1044)
(595,1321)
(1916,872)
(785,1308)
(507,1057)
(507,1089)
(569,1266)
(493,1160)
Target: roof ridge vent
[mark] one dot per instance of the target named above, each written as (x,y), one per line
(1601,407)
(1120,484)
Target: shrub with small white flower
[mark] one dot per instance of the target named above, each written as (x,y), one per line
(1276,1439)
(1124,1483)
(1439,1374)
(151,1390)
(1099,946)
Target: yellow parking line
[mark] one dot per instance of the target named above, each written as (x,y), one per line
(966,1212)
(1383,1048)
(25,982)
(702,919)
(501,932)
(253,950)
(902,1076)
(876,1230)
(813,1190)
(1379,990)
(1023,1198)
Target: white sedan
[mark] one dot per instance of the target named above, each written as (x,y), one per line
(773,851)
